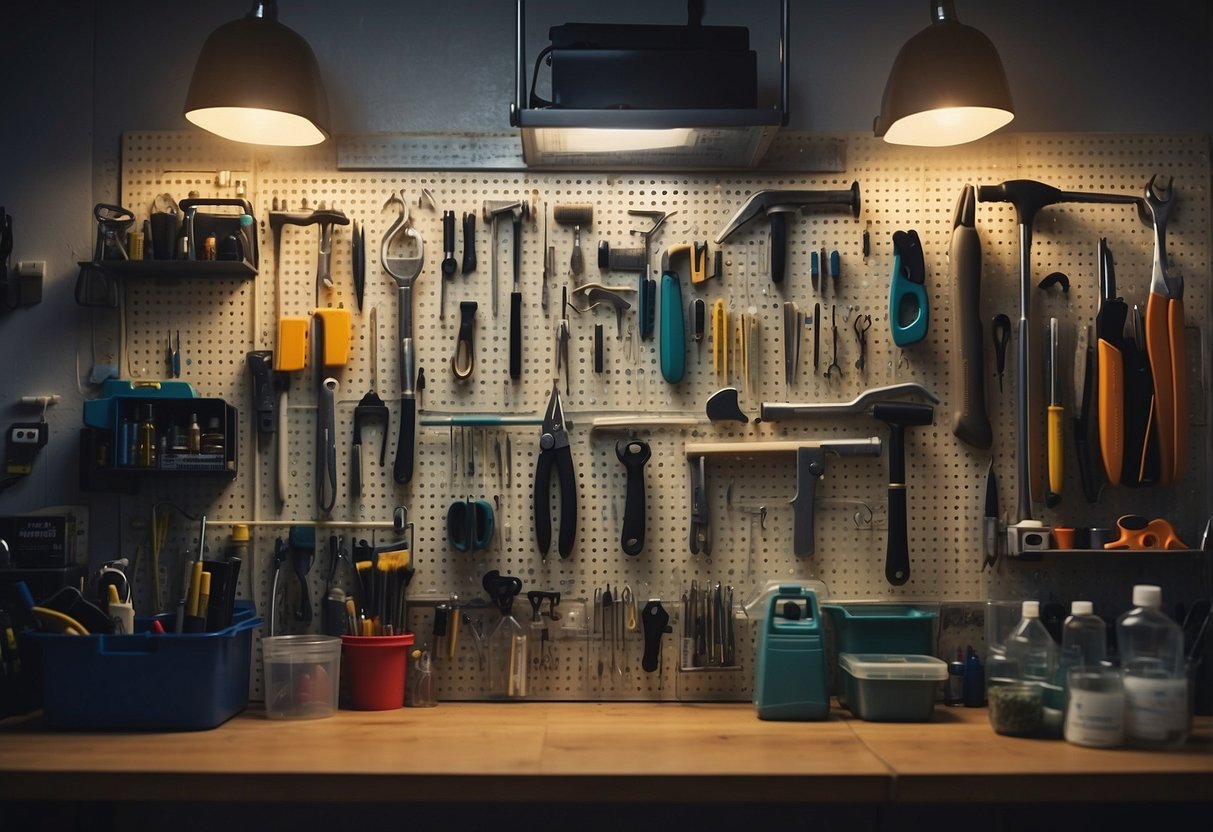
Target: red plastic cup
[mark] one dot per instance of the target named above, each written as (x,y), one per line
(375,667)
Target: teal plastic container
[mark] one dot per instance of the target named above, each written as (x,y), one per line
(882,628)
(790,681)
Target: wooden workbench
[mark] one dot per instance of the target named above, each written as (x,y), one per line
(569,752)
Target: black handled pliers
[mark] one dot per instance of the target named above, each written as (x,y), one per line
(554,450)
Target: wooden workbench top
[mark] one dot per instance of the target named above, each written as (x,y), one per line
(626,752)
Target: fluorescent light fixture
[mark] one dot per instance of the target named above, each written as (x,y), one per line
(608,140)
(947,86)
(257,81)
(694,136)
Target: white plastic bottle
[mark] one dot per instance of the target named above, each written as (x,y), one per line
(1083,640)
(1031,648)
(1155,678)
(1095,700)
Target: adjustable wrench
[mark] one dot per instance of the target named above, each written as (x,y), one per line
(404,271)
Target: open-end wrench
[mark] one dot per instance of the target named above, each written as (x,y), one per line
(633,454)
(404,271)
(1165,338)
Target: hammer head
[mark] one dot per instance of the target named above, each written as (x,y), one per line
(494,208)
(903,414)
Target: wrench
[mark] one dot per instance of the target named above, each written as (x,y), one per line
(1165,338)
(404,271)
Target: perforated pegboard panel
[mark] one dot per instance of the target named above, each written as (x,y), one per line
(901,189)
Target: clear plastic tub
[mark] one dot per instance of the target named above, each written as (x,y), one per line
(302,673)
(891,688)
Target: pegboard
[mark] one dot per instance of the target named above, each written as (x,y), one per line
(902,189)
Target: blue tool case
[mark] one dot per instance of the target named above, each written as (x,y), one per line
(147,681)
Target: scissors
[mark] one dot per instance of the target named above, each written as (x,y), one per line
(554,451)
(469,525)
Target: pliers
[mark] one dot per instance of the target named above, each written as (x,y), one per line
(554,450)
(1165,339)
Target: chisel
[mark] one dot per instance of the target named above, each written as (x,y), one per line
(1084,357)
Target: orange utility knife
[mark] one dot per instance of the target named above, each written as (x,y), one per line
(1165,339)
(1109,330)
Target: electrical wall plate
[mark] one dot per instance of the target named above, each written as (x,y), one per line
(25,439)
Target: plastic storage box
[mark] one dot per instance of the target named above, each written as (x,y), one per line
(881,628)
(301,676)
(145,680)
(885,688)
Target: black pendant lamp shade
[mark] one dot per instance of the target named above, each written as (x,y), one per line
(947,86)
(257,81)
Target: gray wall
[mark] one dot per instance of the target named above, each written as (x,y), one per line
(80,73)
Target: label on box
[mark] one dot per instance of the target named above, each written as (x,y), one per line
(36,542)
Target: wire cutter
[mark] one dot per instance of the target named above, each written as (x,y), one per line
(554,450)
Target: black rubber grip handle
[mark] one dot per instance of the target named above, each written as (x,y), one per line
(356,469)
(633,455)
(779,245)
(970,420)
(402,470)
(1086,472)
(265,399)
(897,551)
(515,335)
(469,243)
(568,502)
(656,623)
(598,348)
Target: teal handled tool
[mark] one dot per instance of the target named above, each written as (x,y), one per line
(908,311)
(673,325)
(469,525)
(790,681)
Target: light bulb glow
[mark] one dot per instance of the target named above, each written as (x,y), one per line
(947,126)
(257,126)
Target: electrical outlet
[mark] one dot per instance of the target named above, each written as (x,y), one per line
(25,439)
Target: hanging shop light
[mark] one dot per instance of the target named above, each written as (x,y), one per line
(257,81)
(947,86)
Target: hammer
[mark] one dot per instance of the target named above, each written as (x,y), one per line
(898,416)
(326,219)
(494,209)
(775,205)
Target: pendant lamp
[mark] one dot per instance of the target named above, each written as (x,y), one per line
(947,86)
(257,81)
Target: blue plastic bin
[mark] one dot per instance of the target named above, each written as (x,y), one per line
(148,681)
(882,628)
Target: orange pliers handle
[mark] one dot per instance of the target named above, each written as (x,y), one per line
(1138,533)
(1111,400)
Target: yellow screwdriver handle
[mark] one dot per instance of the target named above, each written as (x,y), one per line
(1056,448)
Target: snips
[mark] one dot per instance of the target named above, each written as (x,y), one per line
(554,451)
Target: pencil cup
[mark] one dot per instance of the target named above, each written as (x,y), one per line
(301,676)
(375,668)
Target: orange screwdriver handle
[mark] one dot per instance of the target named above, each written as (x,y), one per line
(1158,346)
(1111,402)
(1179,383)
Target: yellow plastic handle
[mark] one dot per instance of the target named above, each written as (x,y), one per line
(1056,447)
